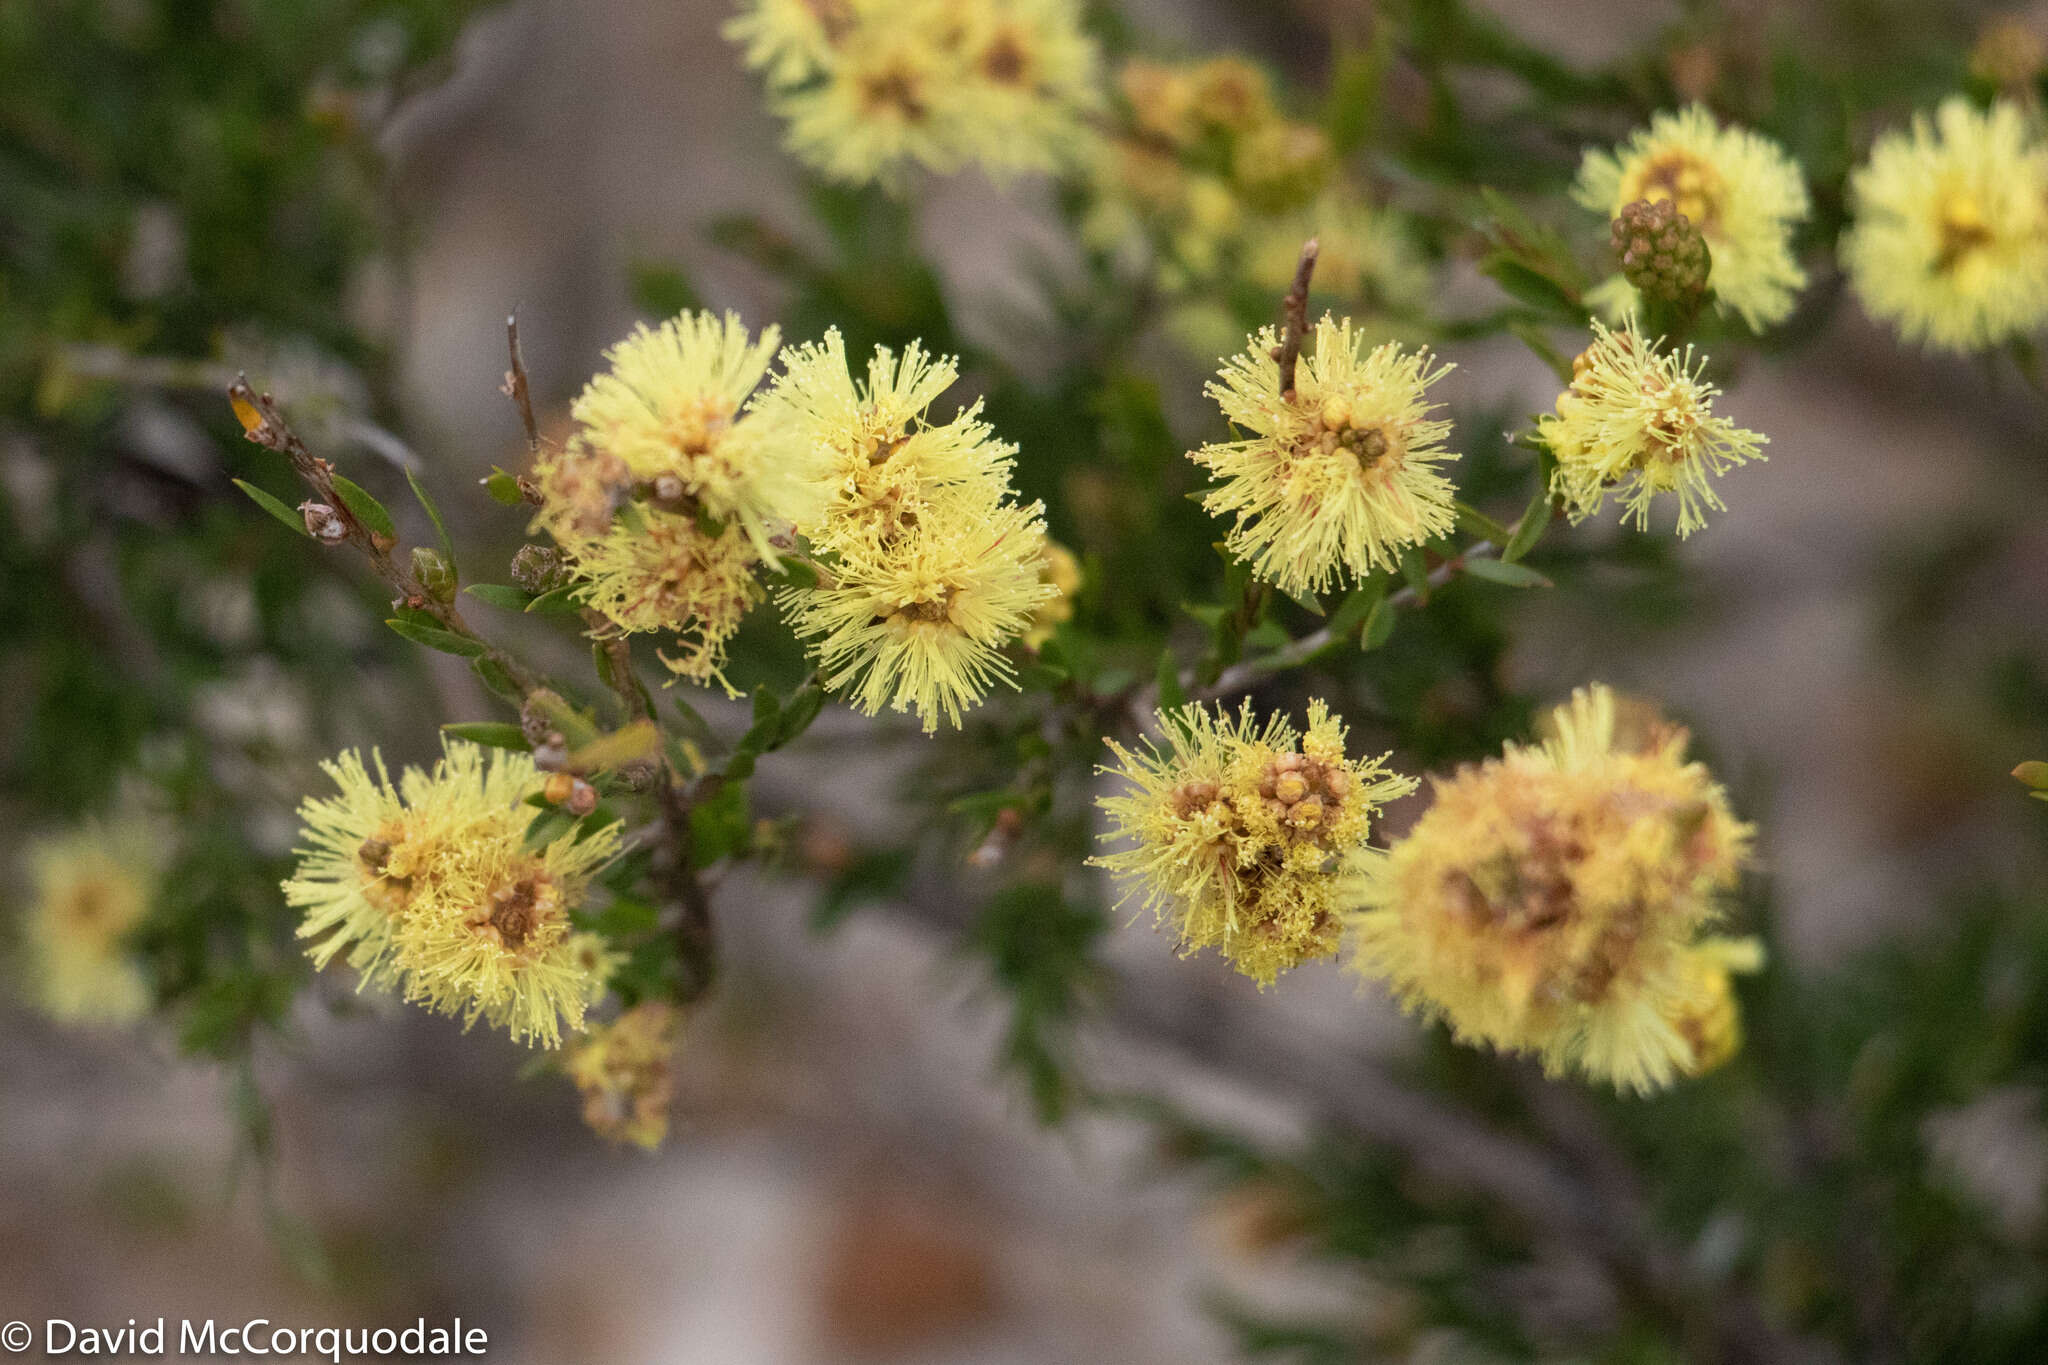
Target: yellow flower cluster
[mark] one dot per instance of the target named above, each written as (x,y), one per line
(1242,833)
(1950,238)
(623,1069)
(89,889)
(1741,191)
(929,568)
(667,497)
(870,88)
(1638,422)
(1558,901)
(1208,173)
(1338,476)
(427,885)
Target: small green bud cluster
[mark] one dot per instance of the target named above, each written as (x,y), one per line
(1662,252)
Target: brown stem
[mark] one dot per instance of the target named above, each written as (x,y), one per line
(265,424)
(696,934)
(1294,318)
(516,388)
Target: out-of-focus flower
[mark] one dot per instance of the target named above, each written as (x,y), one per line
(1739,188)
(1239,832)
(427,884)
(88,889)
(1336,478)
(870,88)
(625,1072)
(1365,254)
(1061,572)
(918,621)
(1637,422)
(1950,235)
(1557,901)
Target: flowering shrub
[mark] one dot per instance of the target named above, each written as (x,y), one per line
(1089,605)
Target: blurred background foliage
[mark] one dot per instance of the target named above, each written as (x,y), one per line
(192,188)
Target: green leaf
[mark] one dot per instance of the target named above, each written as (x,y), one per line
(500,595)
(720,827)
(556,602)
(503,487)
(1356,609)
(434,515)
(366,509)
(2034,773)
(547,826)
(798,713)
(1535,520)
(289,516)
(1379,626)
(492,675)
(1513,575)
(1478,525)
(1171,695)
(1415,570)
(496,734)
(433,637)
(1528,285)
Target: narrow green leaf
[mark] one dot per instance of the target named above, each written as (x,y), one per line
(802,708)
(495,734)
(434,515)
(1379,626)
(500,595)
(1535,520)
(1477,524)
(1171,695)
(1306,601)
(366,509)
(1528,285)
(2034,773)
(492,675)
(289,516)
(1416,571)
(1513,575)
(558,602)
(547,826)
(433,637)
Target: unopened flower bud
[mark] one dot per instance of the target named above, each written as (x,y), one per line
(538,568)
(433,573)
(323,523)
(582,798)
(1662,252)
(558,788)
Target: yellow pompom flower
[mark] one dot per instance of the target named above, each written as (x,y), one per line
(660,571)
(89,888)
(918,621)
(624,1071)
(1556,901)
(1708,1017)
(1240,833)
(1739,188)
(1949,241)
(427,885)
(870,88)
(664,424)
(1337,477)
(875,462)
(1638,422)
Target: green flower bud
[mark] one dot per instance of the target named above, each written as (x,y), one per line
(433,573)
(1662,252)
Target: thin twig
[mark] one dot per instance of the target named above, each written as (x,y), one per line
(265,424)
(1240,677)
(1294,318)
(516,388)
